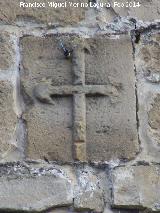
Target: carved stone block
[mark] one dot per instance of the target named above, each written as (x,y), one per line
(81,107)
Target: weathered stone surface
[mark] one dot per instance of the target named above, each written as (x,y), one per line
(89,200)
(90,189)
(53,138)
(148,95)
(148,74)
(34,193)
(49,123)
(148,10)
(111,120)
(103,99)
(147,57)
(6,51)
(154,119)
(8,117)
(46,181)
(136,187)
(12,13)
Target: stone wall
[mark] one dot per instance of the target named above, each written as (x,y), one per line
(80,108)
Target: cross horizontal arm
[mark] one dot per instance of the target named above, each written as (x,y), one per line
(44,91)
(87,89)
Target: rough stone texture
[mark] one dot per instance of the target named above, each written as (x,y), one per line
(6,51)
(47,80)
(13,13)
(148,76)
(149,136)
(43,186)
(34,194)
(35,187)
(148,11)
(87,201)
(154,119)
(147,57)
(91,187)
(42,61)
(8,117)
(55,132)
(111,121)
(136,187)
(86,90)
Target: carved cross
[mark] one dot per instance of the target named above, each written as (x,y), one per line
(79,90)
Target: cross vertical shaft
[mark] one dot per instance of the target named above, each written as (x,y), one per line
(79,110)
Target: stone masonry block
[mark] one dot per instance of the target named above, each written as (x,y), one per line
(8,117)
(90,191)
(87,200)
(11,12)
(111,119)
(136,187)
(82,106)
(33,194)
(6,51)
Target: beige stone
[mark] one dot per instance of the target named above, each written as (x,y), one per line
(49,131)
(111,119)
(11,12)
(83,106)
(49,120)
(153,115)
(91,200)
(80,151)
(136,187)
(6,51)
(154,119)
(8,117)
(148,73)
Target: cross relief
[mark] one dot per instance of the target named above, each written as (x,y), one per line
(78,90)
